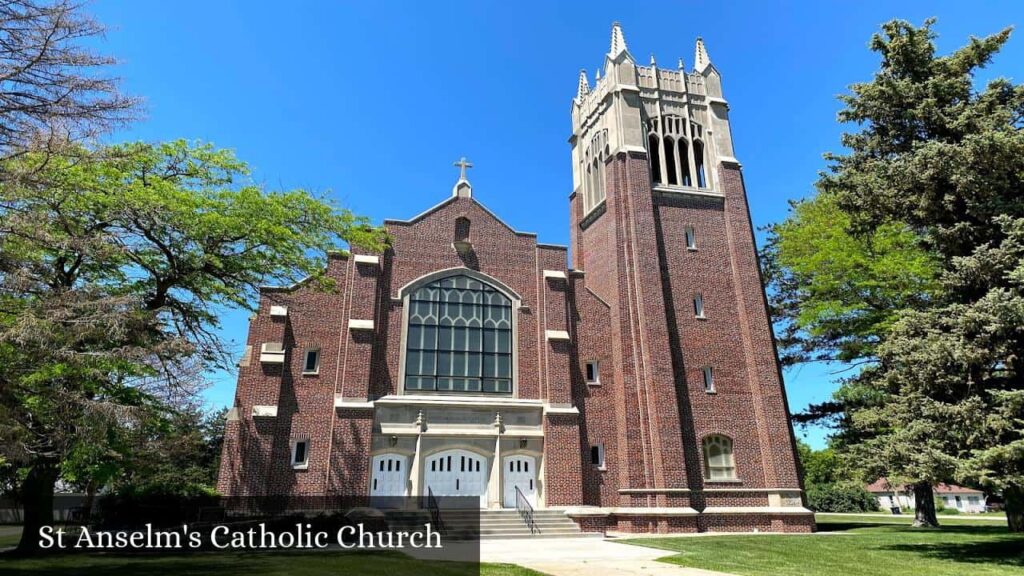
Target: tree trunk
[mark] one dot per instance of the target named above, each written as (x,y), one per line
(37,498)
(1013,497)
(924,506)
(90,500)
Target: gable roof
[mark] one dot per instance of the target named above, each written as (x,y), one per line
(448,201)
(882,485)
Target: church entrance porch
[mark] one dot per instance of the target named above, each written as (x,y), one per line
(481,448)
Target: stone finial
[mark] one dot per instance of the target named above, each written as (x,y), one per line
(618,41)
(653,63)
(583,88)
(700,56)
(681,65)
(421,421)
(597,77)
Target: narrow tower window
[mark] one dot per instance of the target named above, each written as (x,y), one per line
(684,163)
(597,456)
(698,310)
(670,161)
(698,161)
(589,191)
(592,374)
(654,149)
(599,188)
(594,186)
(709,380)
(691,238)
(300,454)
(312,361)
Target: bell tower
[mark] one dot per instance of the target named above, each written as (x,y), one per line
(660,232)
(678,119)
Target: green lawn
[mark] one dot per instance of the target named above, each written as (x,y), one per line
(308,563)
(944,514)
(9,536)
(908,519)
(856,549)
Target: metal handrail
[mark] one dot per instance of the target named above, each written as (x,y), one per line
(435,511)
(525,510)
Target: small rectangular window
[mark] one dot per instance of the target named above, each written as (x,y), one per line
(300,454)
(691,238)
(698,306)
(593,375)
(312,363)
(597,456)
(709,380)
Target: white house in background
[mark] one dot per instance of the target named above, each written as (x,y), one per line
(951,495)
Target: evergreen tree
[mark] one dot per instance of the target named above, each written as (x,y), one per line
(940,394)
(947,159)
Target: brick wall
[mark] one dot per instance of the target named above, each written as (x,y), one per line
(629,307)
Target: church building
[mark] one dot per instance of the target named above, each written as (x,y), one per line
(630,381)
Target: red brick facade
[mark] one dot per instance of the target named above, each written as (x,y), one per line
(627,306)
(624,302)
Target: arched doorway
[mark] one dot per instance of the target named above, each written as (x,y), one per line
(390,475)
(519,472)
(456,473)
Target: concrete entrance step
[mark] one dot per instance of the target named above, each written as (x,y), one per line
(500,514)
(492,524)
(526,534)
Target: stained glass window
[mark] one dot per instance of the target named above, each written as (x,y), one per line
(459,338)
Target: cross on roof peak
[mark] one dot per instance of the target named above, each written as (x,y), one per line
(463,164)
(463,187)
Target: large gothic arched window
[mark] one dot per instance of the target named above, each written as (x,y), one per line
(459,338)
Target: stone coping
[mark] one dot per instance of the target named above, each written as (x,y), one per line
(709,490)
(440,400)
(598,511)
(756,510)
(584,511)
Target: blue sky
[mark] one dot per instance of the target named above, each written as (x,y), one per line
(371,102)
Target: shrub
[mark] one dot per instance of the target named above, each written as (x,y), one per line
(126,510)
(840,498)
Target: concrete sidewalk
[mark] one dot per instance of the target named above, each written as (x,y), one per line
(584,556)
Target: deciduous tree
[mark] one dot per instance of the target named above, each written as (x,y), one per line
(115,265)
(835,295)
(53,90)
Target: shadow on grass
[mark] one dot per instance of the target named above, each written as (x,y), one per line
(965,544)
(1008,551)
(105,564)
(296,563)
(844,526)
(971,529)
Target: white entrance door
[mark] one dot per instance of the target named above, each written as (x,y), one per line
(520,472)
(456,473)
(390,475)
